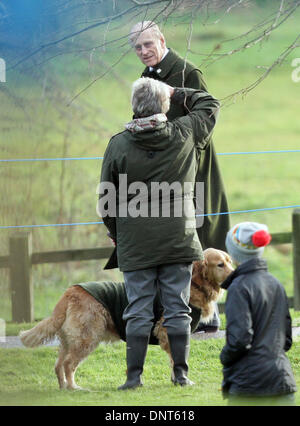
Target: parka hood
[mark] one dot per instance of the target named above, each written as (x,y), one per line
(146,123)
(150,133)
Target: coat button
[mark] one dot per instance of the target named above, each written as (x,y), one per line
(150,154)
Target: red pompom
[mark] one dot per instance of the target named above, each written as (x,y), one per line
(261,238)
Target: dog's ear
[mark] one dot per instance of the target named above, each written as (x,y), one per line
(199,270)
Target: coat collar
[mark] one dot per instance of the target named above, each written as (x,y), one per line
(146,123)
(165,65)
(251,265)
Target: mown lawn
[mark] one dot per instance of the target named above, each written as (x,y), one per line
(27,377)
(63,192)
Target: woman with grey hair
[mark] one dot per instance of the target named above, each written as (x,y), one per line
(155,252)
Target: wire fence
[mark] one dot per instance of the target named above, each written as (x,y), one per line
(19,160)
(283,151)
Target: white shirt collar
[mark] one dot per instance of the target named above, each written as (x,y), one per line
(163,57)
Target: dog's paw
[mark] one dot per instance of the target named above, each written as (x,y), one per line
(206,317)
(75,388)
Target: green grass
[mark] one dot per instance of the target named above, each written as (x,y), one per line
(27,377)
(63,192)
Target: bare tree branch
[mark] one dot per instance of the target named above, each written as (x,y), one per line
(276,63)
(90,27)
(165,8)
(119,60)
(98,78)
(259,38)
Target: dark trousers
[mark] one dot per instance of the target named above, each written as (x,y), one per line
(173,281)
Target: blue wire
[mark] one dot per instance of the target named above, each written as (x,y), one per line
(98,223)
(250,211)
(50,224)
(50,159)
(259,152)
(101,158)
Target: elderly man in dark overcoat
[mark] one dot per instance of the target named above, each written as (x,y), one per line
(166,65)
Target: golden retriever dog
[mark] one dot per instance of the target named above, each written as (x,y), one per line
(81,322)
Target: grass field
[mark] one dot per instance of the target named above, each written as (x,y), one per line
(38,123)
(27,377)
(65,191)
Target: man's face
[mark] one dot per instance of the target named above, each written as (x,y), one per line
(149,48)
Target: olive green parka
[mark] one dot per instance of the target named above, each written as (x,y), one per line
(166,153)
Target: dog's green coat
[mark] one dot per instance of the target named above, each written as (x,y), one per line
(113,297)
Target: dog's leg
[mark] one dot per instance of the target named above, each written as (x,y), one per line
(76,354)
(161,333)
(164,344)
(207,313)
(70,365)
(59,368)
(85,326)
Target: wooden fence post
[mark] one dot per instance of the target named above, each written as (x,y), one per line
(296,254)
(20,249)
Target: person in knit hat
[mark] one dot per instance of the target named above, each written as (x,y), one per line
(246,240)
(256,370)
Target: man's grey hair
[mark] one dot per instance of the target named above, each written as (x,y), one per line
(138,28)
(149,97)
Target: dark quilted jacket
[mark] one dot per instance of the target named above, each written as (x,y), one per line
(258,333)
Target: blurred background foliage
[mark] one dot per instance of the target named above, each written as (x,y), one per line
(69,70)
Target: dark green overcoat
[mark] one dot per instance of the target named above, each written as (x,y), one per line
(176,72)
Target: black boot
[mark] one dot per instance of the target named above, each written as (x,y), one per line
(180,349)
(136,349)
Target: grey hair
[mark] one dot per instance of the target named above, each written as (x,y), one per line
(138,28)
(150,97)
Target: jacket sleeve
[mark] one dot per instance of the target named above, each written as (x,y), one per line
(239,331)
(202,114)
(107,194)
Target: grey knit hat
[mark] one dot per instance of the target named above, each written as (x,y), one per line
(246,240)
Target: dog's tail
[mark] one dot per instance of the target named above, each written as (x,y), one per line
(46,330)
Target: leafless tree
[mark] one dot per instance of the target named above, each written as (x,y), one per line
(75,22)
(72,29)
